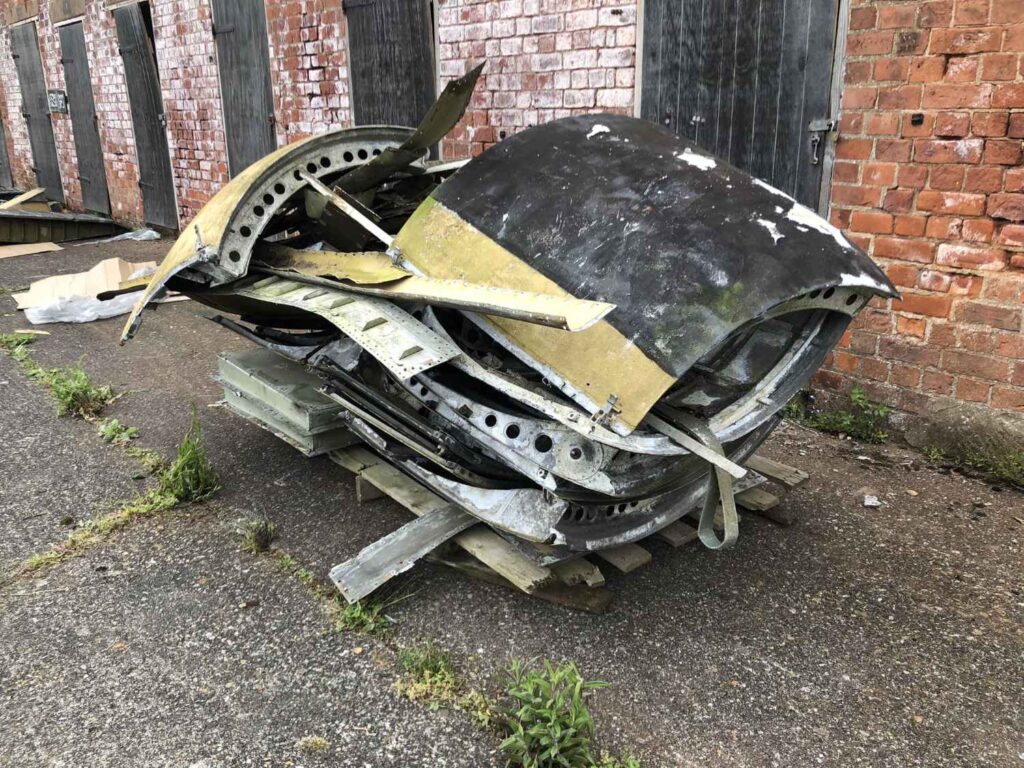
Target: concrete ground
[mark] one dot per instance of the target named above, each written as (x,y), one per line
(874,637)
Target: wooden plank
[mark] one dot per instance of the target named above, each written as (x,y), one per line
(581,598)
(24,197)
(579,571)
(367,491)
(819,58)
(789,476)
(626,557)
(766,95)
(381,561)
(481,542)
(757,500)
(27,249)
(746,69)
(678,533)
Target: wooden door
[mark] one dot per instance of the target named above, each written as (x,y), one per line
(82,108)
(391,50)
(148,120)
(744,79)
(240,27)
(6,181)
(35,109)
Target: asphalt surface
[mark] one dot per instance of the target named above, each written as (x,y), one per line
(855,637)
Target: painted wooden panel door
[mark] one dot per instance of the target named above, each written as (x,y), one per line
(744,79)
(25,47)
(148,120)
(82,108)
(391,52)
(243,58)
(6,180)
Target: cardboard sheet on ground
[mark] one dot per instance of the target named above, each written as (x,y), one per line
(27,249)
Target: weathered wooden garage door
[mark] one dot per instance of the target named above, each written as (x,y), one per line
(148,119)
(744,79)
(83,119)
(391,50)
(6,182)
(25,49)
(244,62)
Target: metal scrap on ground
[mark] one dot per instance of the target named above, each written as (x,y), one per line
(577,338)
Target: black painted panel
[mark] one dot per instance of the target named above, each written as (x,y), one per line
(243,59)
(148,121)
(392,60)
(25,48)
(743,78)
(617,209)
(82,108)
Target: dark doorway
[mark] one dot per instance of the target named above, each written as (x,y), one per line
(35,109)
(83,119)
(391,50)
(240,27)
(744,79)
(6,180)
(135,37)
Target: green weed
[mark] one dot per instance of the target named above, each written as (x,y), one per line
(150,460)
(610,761)
(313,745)
(257,535)
(75,393)
(363,616)
(1004,464)
(865,420)
(191,476)
(429,675)
(548,722)
(113,431)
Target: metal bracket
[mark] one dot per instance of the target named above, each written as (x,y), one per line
(818,129)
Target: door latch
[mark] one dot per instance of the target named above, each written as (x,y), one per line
(819,130)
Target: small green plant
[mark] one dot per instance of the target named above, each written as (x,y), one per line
(75,393)
(429,676)
(150,460)
(113,431)
(363,616)
(258,534)
(865,420)
(191,476)
(548,723)
(1002,463)
(313,745)
(610,761)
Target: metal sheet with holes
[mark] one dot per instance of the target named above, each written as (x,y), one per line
(400,342)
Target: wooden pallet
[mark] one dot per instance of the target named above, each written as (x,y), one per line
(579,584)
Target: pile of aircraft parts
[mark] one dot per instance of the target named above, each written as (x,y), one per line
(576,337)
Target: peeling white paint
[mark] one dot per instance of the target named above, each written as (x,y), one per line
(773,190)
(862,280)
(802,215)
(702,162)
(773,230)
(597,129)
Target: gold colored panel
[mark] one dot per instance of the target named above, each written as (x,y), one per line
(62,10)
(19,10)
(599,362)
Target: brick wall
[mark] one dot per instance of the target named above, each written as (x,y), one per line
(18,149)
(309,67)
(546,59)
(928,179)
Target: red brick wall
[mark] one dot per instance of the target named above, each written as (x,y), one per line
(546,59)
(308,66)
(928,179)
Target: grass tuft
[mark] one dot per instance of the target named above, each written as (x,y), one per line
(363,616)
(313,745)
(113,431)
(429,675)
(191,476)
(258,534)
(1004,464)
(75,393)
(548,722)
(864,420)
(150,460)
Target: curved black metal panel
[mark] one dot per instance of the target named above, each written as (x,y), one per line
(621,210)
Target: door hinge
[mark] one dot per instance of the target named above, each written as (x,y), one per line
(819,129)
(223,29)
(347,5)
